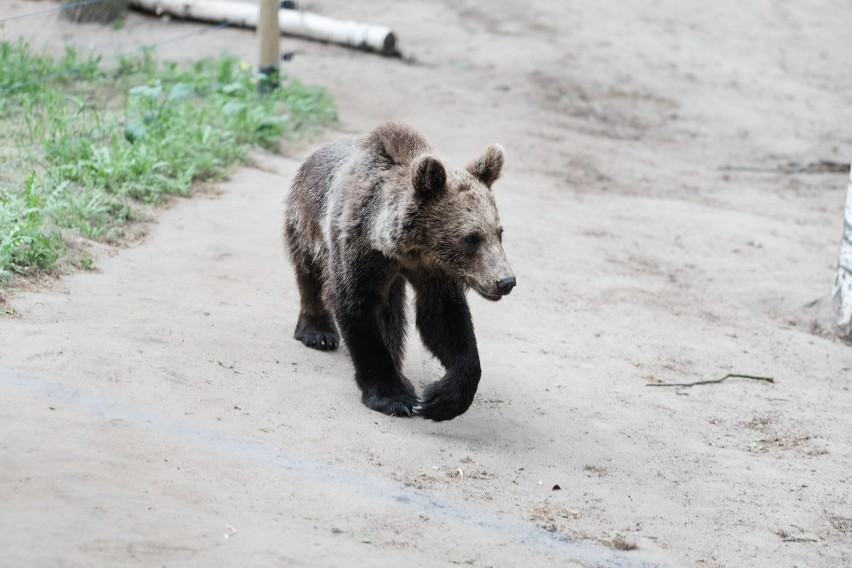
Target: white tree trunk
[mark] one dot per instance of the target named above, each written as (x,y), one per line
(291,22)
(843,284)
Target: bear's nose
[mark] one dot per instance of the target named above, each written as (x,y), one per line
(505,286)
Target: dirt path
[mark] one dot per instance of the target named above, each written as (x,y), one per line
(151,408)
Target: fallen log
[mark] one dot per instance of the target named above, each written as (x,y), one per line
(291,22)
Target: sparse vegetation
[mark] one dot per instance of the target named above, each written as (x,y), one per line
(86,147)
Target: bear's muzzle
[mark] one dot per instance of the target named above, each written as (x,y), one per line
(505,285)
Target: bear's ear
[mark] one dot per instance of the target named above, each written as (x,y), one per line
(487,167)
(428,176)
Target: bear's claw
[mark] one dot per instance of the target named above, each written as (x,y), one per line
(321,340)
(317,332)
(389,406)
(442,402)
(397,403)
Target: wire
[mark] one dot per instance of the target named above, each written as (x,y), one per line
(144,47)
(96,133)
(219,26)
(48,11)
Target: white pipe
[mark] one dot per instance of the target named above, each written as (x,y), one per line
(291,22)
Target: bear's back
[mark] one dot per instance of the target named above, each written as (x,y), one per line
(398,142)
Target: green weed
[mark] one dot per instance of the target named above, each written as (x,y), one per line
(26,243)
(83,151)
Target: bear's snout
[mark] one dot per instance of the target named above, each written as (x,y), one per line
(505,285)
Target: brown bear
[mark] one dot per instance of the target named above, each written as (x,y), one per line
(366,215)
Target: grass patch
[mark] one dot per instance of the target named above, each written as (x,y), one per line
(87,150)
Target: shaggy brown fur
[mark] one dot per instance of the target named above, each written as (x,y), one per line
(365,216)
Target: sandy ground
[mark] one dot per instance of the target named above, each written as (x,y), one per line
(157,411)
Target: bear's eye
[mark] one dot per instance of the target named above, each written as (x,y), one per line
(500,234)
(473,240)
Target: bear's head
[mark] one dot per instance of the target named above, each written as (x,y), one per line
(457,225)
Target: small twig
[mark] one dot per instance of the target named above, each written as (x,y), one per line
(799,539)
(230,368)
(730,168)
(712,382)
(818,167)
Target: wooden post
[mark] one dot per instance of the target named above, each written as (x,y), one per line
(843,283)
(268,36)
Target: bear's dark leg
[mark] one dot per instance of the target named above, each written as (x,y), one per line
(315,327)
(392,321)
(365,320)
(444,322)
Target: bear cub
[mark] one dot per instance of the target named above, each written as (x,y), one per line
(366,215)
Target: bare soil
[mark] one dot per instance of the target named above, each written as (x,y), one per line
(158,412)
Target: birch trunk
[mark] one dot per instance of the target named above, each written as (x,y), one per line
(843,283)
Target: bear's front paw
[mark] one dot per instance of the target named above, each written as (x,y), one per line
(393,402)
(442,401)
